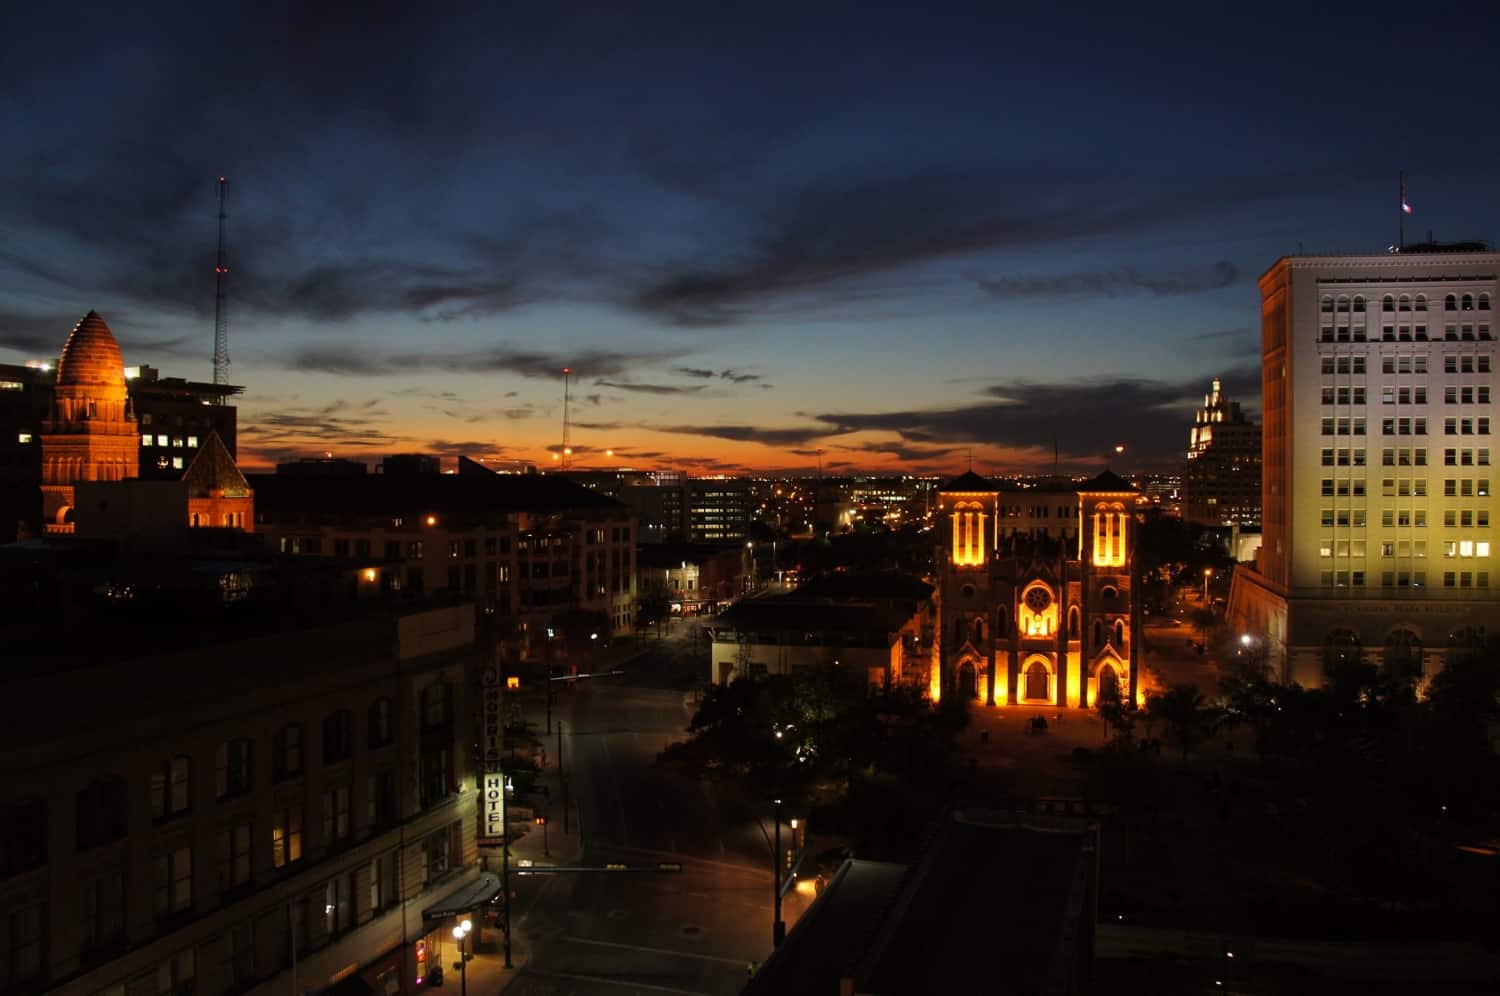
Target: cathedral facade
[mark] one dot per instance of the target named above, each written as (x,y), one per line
(1043,615)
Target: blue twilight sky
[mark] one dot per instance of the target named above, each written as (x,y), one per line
(897,235)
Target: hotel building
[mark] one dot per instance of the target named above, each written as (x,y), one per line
(1378,381)
(266,812)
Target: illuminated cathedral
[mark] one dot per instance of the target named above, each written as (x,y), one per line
(1038,594)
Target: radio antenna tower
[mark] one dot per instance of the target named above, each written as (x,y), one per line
(567,446)
(221,316)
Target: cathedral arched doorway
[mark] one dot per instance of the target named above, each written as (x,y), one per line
(1108,685)
(1036,681)
(968,679)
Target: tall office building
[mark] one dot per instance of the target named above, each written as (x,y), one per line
(1378,381)
(1221,480)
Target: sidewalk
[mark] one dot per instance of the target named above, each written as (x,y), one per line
(487,974)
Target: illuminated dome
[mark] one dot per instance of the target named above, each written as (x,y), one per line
(91,363)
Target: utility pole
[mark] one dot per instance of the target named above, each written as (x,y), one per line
(221,314)
(567,446)
(562,776)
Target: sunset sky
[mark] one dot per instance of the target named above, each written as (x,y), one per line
(896,237)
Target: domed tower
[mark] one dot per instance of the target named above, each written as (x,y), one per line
(968,504)
(90,434)
(1110,609)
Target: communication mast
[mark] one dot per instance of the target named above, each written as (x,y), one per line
(567,446)
(221,316)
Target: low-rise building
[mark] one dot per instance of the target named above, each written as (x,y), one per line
(875,629)
(523,547)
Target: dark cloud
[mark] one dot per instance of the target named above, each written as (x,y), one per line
(754,433)
(1127,279)
(904,452)
(737,378)
(1082,419)
(815,243)
(694,372)
(500,359)
(650,388)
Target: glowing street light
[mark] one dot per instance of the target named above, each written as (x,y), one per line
(1208,572)
(459,933)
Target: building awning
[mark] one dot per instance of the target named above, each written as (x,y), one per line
(466,898)
(350,985)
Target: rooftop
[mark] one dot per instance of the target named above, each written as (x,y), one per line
(987,908)
(465,496)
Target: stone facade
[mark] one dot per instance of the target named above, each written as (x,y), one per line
(1038,619)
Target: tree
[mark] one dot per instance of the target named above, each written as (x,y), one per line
(1116,714)
(1184,710)
(653,604)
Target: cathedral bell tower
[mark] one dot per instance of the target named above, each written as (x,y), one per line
(1111,620)
(968,504)
(90,434)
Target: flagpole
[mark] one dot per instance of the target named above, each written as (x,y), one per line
(1401,213)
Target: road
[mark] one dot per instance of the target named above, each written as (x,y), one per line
(617,933)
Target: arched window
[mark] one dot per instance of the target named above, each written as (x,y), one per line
(978,631)
(171,785)
(1388,303)
(1450,303)
(1359,302)
(1119,634)
(1468,302)
(1109,685)
(381,732)
(286,749)
(1421,302)
(1403,654)
(1002,622)
(1327,303)
(1404,304)
(1037,682)
(338,736)
(1109,593)
(1098,634)
(1484,302)
(1073,622)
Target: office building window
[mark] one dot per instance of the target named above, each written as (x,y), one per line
(104,911)
(338,736)
(173,882)
(288,749)
(170,788)
(234,767)
(338,904)
(175,975)
(286,836)
(336,827)
(380,723)
(234,855)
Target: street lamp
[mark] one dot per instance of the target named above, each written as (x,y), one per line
(778,926)
(459,933)
(1208,572)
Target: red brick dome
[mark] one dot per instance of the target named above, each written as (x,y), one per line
(91,363)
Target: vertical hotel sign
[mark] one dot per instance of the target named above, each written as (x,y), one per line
(491,752)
